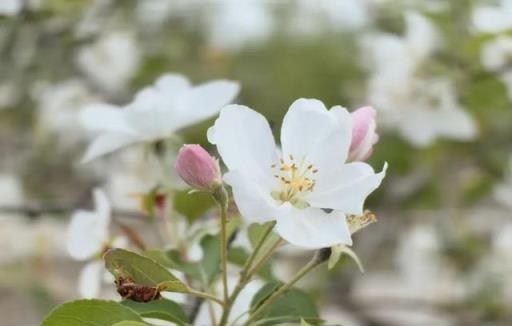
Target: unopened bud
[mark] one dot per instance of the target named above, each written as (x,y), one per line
(198,168)
(364,135)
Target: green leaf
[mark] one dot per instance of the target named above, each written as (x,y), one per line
(294,303)
(338,251)
(163,309)
(142,270)
(193,205)
(129,323)
(90,312)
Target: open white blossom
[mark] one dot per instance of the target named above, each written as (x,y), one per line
(493,19)
(156,112)
(307,188)
(87,239)
(111,61)
(421,109)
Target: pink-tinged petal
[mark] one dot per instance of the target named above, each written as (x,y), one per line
(363,133)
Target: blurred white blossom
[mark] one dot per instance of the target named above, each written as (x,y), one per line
(503,191)
(422,109)
(233,23)
(156,113)
(313,17)
(493,19)
(87,239)
(59,106)
(497,57)
(111,61)
(10,7)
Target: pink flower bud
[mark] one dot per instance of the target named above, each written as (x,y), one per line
(363,133)
(198,168)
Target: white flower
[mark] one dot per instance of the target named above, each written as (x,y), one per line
(493,19)
(295,187)
(59,106)
(10,7)
(87,238)
(234,23)
(111,61)
(503,191)
(156,112)
(497,57)
(421,108)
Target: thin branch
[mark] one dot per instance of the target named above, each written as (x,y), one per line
(36,211)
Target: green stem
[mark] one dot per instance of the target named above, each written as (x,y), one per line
(265,257)
(244,275)
(320,257)
(221,197)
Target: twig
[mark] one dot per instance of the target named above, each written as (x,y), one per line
(36,211)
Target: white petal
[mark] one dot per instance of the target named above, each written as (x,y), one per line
(206,100)
(322,136)
(104,117)
(422,37)
(107,143)
(102,205)
(349,190)
(245,143)
(312,228)
(253,200)
(84,239)
(89,282)
(172,84)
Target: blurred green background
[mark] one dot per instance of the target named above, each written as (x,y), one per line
(441,252)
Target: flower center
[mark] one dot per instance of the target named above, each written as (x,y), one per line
(295,180)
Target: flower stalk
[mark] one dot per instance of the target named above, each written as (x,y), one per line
(222,199)
(320,257)
(245,274)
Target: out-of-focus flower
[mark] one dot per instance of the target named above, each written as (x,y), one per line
(59,106)
(364,135)
(497,58)
(10,7)
(493,19)
(111,61)
(503,191)
(314,16)
(234,23)
(88,238)
(198,168)
(422,109)
(295,187)
(156,112)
